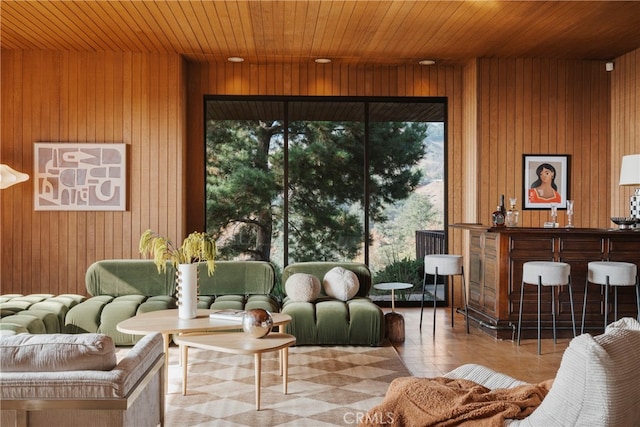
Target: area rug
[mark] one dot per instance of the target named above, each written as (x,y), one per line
(328,386)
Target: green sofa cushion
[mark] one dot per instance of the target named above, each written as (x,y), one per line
(266,302)
(160,302)
(49,320)
(118,277)
(15,305)
(121,308)
(233,277)
(366,326)
(32,324)
(332,321)
(55,307)
(303,321)
(85,317)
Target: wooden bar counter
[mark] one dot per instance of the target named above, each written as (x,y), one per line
(496,256)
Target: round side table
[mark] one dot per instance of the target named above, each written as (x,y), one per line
(393,322)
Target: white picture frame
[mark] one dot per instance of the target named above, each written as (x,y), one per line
(557,165)
(80,176)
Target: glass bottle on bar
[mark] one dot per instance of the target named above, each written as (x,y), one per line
(512,214)
(498,217)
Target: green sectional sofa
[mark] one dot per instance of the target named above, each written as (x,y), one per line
(120,289)
(35,313)
(327,320)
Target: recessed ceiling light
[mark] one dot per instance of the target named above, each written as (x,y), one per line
(235,59)
(427,62)
(322,60)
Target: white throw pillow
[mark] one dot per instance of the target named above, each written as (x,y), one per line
(302,287)
(341,283)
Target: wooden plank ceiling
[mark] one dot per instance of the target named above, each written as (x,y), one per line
(355,32)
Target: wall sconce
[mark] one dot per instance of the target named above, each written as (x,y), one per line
(9,176)
(630,175)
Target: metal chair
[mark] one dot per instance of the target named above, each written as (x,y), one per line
(551,274)
(610,274)
(443,265)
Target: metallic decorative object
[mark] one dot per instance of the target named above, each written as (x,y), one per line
(257,322)
(624,223)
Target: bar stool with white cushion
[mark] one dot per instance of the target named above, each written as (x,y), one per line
(443,265)
(615,274)
(550,274)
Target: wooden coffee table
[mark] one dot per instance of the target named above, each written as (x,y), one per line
(168,323)
(240,343)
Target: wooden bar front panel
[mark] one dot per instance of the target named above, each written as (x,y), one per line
(496,257)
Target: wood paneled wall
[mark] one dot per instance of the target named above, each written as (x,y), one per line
(530,106)
(498,108)
(625,125)
(133,98)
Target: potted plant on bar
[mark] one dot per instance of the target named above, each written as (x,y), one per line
(196,247)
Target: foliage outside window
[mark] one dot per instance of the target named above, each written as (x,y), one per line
(287,191)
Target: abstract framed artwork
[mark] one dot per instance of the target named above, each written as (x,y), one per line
(545,181)
(80,176)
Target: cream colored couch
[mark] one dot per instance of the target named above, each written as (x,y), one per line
(75,380)
(597,384)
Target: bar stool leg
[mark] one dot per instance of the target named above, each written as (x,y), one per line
(451,282)
(553,312)
(435,291)
(520,310)
(615,303)
(573,314)
(606,303)
(539,323)
(584,305)
(464,298)
(424,286)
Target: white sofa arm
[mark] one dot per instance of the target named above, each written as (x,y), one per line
(484,376)
(130,394)
(85,384)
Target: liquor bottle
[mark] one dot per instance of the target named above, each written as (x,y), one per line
(512,214)
(498,217)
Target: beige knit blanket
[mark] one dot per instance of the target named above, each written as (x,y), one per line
(443,401)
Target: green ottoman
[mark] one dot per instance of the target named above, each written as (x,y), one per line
(49,319)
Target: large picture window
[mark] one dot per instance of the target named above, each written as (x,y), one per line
(291,179)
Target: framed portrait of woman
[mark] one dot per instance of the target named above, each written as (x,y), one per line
(545,181)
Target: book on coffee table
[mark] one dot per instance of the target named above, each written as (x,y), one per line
(227,314)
